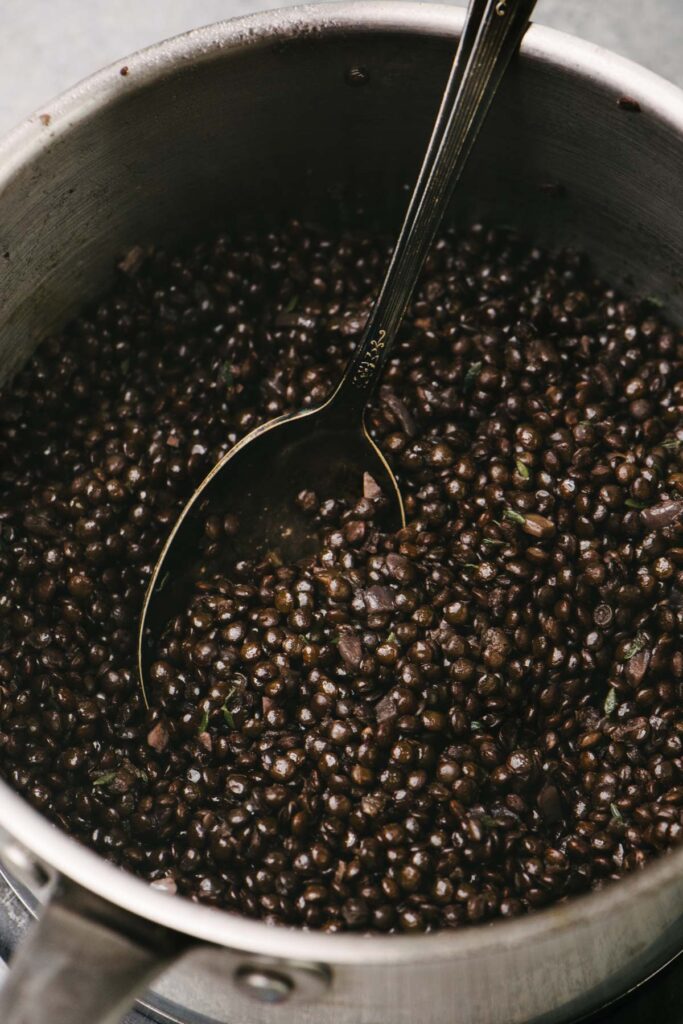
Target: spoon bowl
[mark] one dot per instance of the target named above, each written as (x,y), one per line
(257,483)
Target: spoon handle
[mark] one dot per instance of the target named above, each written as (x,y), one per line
(492,32)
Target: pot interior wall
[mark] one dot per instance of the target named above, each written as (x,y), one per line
(275,128)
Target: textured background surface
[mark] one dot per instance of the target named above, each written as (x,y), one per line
(48,45)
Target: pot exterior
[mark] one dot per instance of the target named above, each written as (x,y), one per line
(246,123)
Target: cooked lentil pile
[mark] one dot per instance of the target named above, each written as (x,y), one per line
(470,719)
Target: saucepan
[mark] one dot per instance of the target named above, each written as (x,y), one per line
(323,112)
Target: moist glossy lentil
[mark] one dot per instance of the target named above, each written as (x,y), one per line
(470,719)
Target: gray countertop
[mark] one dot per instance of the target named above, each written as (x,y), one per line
(48,45)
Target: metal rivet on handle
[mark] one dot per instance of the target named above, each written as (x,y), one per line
(264,985)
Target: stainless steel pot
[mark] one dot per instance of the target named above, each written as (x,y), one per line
(252,120)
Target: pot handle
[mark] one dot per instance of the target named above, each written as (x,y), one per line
(83,962)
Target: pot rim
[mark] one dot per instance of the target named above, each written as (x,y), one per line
(659,99)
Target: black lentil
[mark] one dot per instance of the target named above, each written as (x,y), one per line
(470,719)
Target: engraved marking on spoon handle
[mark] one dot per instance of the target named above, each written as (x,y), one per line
(492,33)
(365,370)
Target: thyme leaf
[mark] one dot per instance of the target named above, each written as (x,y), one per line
(637,644)
(225,376)
(513,516)
(610,701)
(104,779)
(225,710)
(471,375)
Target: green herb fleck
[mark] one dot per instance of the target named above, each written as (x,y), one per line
(492,541)
(610,701)
(104,779)
(475,726)
(672,444)
(487,820)
(471,565)
(513,516)
(292,304)
(225,710)
(654,300)
(616,813)
(142,774)
(632,503)
(391,639)
(522,469)
(163,581)
(204,722)
(225,375)
(471,376)
(636,645)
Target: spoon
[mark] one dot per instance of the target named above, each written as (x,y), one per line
(328,448)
